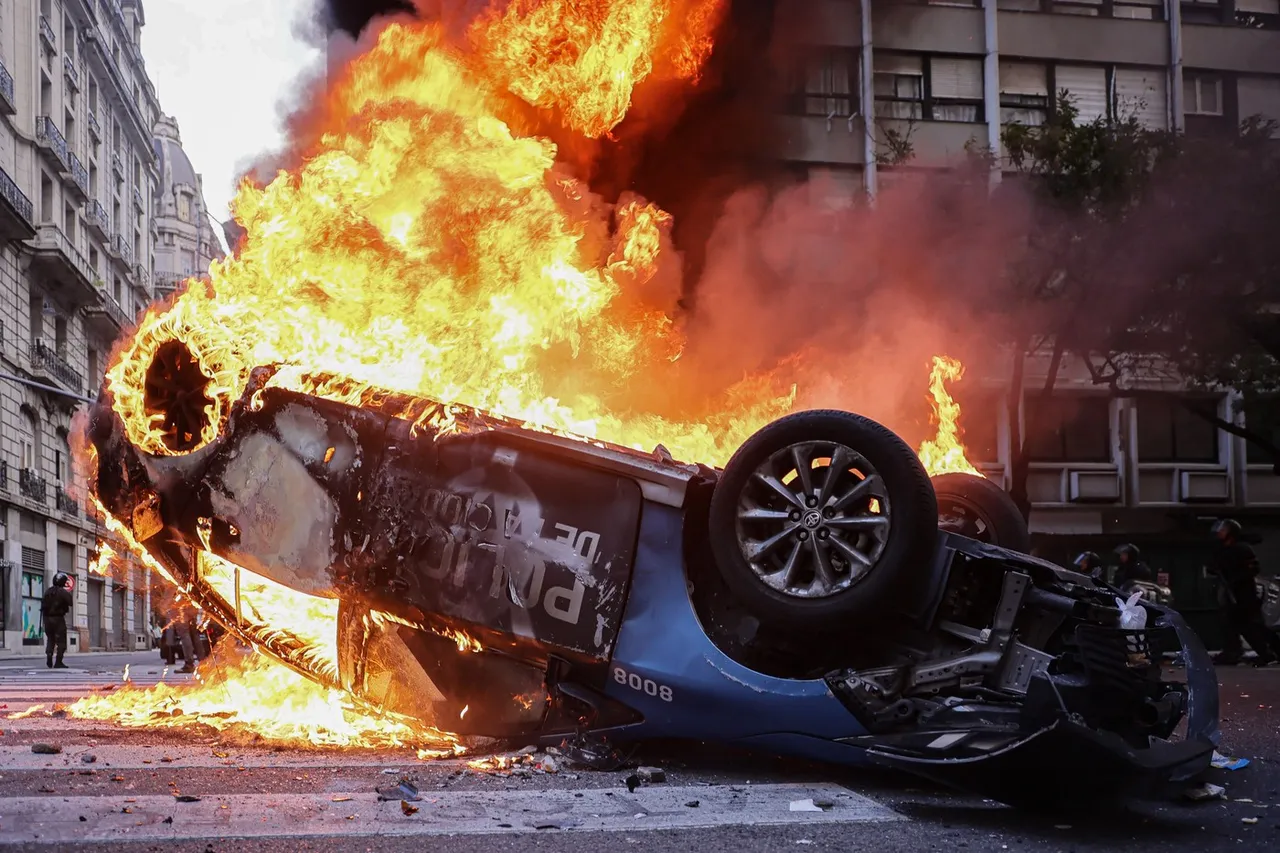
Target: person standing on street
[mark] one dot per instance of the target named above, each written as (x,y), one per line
(54,608)
(1089,563)
(1131,568)
(178,634)
(1236,568)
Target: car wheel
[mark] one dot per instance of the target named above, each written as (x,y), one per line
(973,506)
(822,517)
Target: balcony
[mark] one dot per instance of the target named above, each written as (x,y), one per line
(142,276)
(65,502)
(121,248)
(72,74)
(32,485)
(96,216)
(168,282)
(95,129)
(137,200)
(52,142)
(47,364)
(107,319)
(118,92)
(4,475)
(16,214)
(63,265)
(46,34)
(79,184)
(7,104)
(117,165)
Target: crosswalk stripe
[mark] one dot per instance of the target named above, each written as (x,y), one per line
(55,819)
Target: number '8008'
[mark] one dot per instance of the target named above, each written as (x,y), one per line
(645,685)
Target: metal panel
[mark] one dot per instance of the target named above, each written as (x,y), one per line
(1024,78)
(1142,92)
(952,77)
(1087,88)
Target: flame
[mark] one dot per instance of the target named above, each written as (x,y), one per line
(944,454)
(101,564)
(466,643)
(229,697)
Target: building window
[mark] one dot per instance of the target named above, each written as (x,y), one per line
(899,86)
(184,207)
(1201,94)
(1262,416)
(31,447)
(1169,432)
(826,84)
(1024,93)
(1258,14)
(935,88)
(1076,429)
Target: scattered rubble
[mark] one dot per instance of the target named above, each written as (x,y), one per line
(186,798)
(652,774)
(633,782)
(88,758)
(406,790)
(1207,791)
(408,809)
(1223,762)
(46,749)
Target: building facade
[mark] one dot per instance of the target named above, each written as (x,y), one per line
(943,74)
(185,240)
(78,171)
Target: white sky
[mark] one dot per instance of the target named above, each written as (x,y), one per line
(223,68)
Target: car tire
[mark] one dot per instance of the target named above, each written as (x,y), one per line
(973,506)
(847,539)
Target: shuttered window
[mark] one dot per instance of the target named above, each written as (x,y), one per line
(1024,93)
(1140,92)
(938,88)
(33,559)
(1086,88)
(955,87)
(899,86)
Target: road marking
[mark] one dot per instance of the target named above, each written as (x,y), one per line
(55,820)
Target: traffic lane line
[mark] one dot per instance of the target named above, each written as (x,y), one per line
(54,820)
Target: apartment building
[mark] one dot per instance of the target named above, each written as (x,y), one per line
(185,240)
(1103,470)
(78,171)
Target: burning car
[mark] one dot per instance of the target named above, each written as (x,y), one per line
(478,576)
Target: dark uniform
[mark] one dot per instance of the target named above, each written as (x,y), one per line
(1131,567)
(1236,567)
(54,607)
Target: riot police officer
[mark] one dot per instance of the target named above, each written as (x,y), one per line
(1089,563)
(1131,568)
(1236,567)
(54,608)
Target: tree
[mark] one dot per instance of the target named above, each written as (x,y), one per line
(1145,250)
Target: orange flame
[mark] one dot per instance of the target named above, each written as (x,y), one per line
(944,454)
(101,564)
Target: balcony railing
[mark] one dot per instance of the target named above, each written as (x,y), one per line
(7,104)
(137,200)
(123,249)
(48,135)
(73,75)
(169,281)
(108,309)
(95,129)
(140,272)
(33,485)
(46,33)
(65,502)
(16,198)
(79,175)
(113,8)
(117,164)
(45,360)
(97,216)
(4,475)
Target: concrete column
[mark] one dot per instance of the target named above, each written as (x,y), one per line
(1173,12)
(991,84)
(868,102)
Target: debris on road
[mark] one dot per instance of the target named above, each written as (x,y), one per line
(693,804)
(408,809)
(186,798)
(1249,820)
(652,774)
(811,805)
(1223,762)
(340,799)
(1207,791)
(45,749)
(88,758)
(633,782)
(406,790)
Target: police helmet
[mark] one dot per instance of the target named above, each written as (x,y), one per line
(1129,550)
(1227,527)
(1087,561)
(61,579)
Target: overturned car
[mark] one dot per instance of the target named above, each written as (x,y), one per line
(489,579)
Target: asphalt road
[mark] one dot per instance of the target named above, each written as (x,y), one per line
(256,798)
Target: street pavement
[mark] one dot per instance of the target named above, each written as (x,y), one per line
(133,795)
